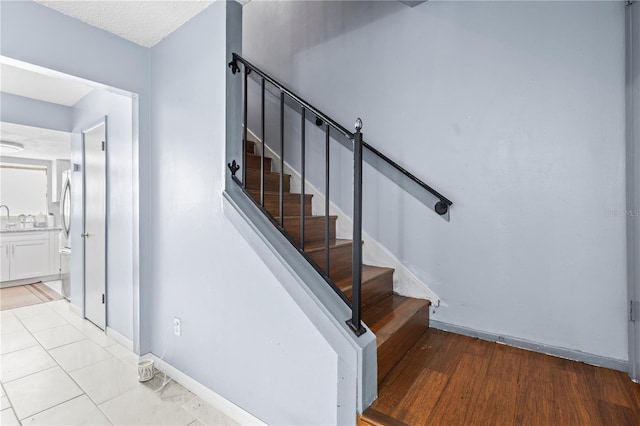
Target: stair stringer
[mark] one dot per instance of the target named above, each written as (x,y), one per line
(405,282)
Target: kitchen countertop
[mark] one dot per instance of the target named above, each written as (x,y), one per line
(18,229)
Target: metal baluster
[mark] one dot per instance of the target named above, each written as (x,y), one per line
(302,178)
(326,200)
(264,147)
(356,279)
(245,143)
(282,159)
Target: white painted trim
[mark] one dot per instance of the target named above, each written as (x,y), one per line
(26,281)
(218,402)
(405,283)
(119,338)
(75,309)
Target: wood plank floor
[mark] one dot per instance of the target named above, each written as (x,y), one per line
(449,379)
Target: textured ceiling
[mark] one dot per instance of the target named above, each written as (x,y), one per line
(142,22)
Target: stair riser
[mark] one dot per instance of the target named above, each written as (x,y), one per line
(396,346)
(374,290)
(291,204)
(253,162)
(271,181)
(339,261)
(251,147)
(313,228)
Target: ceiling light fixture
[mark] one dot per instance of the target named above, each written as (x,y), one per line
(10,147)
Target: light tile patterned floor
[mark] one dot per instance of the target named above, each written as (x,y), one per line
(58,369)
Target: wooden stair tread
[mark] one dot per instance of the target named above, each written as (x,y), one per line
(369,273)
(311,217)
(254,161)
(319,246)
(255,172)
(373,417)
(256,193)
(271,180)
(389,315)
(291,202)
(257,156)
(377,284)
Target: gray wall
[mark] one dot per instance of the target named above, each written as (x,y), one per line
(35,113)
(38,35)
(515,110)
(242,334)
(87,112)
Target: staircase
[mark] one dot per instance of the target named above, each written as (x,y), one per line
(398,322)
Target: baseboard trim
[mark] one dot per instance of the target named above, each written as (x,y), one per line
(27,281)
(597,360)
(214,399)
(124,341)
(75,309)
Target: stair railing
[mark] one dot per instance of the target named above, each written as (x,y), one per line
(441,207)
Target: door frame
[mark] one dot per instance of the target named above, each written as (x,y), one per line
(101,121)
(632,26)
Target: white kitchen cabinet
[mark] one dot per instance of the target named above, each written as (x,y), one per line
(5,261)
(30,259)
(27,255)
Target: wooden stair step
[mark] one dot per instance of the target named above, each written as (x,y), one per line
(377,284)
(339,257)
(373,417)
(398,322)
(271,180)
(254,162)
(291,203)
(251,147)
(313,228)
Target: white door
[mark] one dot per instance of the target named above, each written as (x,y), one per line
(94,233)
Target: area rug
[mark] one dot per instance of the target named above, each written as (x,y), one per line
(25,295)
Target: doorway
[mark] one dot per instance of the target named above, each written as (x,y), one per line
(94,232)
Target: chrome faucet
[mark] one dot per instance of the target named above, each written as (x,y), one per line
(8,214)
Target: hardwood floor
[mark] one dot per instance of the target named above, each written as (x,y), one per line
(449,379)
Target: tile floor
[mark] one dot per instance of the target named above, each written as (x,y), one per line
(58,369)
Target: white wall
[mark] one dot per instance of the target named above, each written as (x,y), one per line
(242,334)
(515,110)
(87,112)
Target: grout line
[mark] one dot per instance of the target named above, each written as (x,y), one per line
(53,406)
(30,374)
(61,368)
(181,406)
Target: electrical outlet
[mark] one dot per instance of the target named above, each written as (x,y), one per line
(177,326)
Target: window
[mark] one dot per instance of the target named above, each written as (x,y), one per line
(23,188)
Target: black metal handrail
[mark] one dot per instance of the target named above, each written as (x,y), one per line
(292,95)
(441,206)
(441,209)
